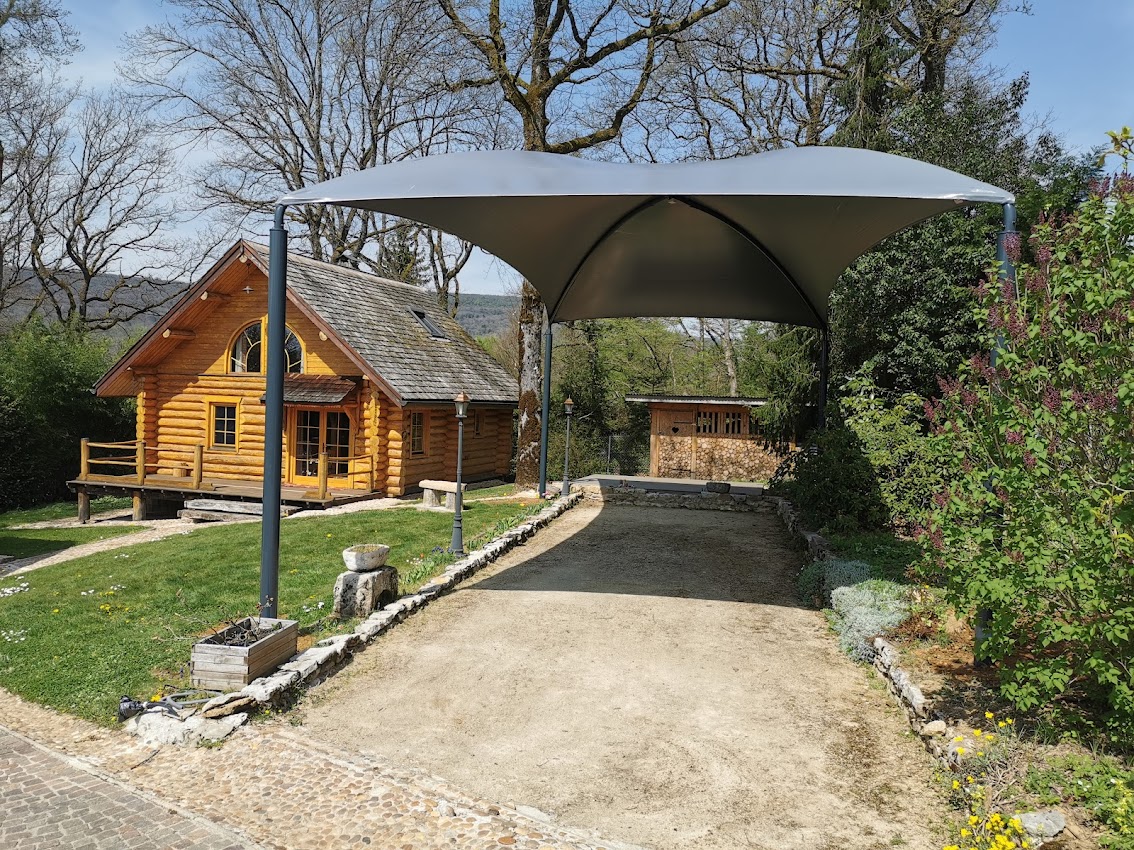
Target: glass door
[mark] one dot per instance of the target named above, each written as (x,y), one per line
(315,431)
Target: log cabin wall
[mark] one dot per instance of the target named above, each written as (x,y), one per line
(176,398)
(487,445)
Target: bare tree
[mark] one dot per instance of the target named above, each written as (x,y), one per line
(572,71)
(282,94)
(99,216)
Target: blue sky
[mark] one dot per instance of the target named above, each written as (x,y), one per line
(1074,50)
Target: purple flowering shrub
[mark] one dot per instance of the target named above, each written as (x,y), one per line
(1036,521)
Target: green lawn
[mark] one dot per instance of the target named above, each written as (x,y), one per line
(892,557)
(87,631)
(25,542)
(61,510)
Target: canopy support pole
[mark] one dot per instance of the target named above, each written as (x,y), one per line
(824,374)
(1004,271)
(544,417)
(273,418)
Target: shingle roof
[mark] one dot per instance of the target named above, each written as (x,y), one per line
(315,389)
(372,315)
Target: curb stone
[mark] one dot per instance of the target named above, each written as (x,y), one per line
(328,655)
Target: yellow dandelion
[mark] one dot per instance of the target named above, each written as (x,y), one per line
(960,751)
(965,833)
(1001,724)
(969,779)
(54,610)
(956,784)
(977,733)
(958,739)
(989,715)
(979,753)
(973,820)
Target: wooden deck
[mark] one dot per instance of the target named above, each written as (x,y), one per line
(179,487)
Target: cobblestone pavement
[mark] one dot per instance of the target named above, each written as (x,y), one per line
(52,802)
(270,783)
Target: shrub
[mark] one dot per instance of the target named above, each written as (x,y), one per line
(906,463)
(832,483)
(46,406)
(1036,525)
(820,578)
(864,610)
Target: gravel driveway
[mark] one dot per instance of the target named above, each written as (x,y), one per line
(647,673)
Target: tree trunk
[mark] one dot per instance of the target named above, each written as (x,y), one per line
(527,442)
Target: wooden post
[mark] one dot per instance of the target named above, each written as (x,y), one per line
(198,466)
(139,506)
(322,475)
(140,461)
(84,461)
(84,502)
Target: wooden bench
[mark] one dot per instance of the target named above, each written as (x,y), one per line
(431,493)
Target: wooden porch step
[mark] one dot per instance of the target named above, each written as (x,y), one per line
(234,507)
(212,516)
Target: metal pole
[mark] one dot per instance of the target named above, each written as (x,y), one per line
(567,458)
(824,374)
(457,546)
(544,417)
(1005,271)
(273,418)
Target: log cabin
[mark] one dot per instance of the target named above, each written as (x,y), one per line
(373,366)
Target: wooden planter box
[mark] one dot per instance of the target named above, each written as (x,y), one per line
(216,666)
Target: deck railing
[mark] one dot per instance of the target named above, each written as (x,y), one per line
(145,459)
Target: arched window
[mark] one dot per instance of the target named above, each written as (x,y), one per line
(247,351)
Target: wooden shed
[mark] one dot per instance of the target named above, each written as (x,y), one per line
(372,369)
(709,437)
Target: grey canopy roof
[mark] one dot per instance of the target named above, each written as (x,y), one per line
(756,237)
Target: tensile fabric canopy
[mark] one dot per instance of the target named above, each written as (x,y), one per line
(756,237)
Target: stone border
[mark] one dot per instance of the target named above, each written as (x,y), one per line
(642,498)
(328,655)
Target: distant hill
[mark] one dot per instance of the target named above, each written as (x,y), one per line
(485,315)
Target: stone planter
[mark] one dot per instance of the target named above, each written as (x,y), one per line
(217,665)
(365,557)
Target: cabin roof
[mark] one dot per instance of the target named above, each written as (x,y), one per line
(694,400)
(381,324)
(375,317)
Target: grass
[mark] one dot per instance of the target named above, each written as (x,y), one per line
(891,557)
(61,510)
(492,492)
(87,631)
(25,542)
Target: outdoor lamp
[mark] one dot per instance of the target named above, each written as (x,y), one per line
(457,546)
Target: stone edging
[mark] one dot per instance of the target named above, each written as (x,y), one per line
(643,498)
(319,661)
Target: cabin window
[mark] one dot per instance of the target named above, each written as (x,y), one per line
(248,351)
(224,426)
(417,433)
(478,422)
(427,323)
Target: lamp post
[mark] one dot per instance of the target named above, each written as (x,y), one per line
(568,408)
(457,546)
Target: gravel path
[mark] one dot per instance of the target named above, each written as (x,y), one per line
(647,673)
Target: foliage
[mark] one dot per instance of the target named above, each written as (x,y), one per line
(818,580)
(1035,525)
(780,363)
(903,312)
(46,406)
(862,611)
(122,622)
(893,438)
(832,483)
(892,557)
(1100,784)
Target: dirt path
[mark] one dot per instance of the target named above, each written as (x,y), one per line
(646,673)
